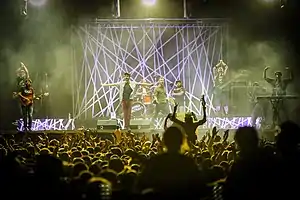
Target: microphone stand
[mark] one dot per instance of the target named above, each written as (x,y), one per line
(46,91)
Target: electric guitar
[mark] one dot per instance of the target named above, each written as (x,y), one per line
(25,101)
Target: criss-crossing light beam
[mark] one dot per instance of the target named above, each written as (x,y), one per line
(173,50)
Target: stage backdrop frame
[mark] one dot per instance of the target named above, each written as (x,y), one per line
(176,49)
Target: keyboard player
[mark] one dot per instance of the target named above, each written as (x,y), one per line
(279,85)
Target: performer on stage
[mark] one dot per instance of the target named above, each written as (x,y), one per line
(26,95)
(179,93)
(160,100)
(189,125)
(279,89)
(258,108)
(127,92)
(279,84)
(220,97)
(143,91)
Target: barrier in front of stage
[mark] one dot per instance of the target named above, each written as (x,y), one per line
(69,124)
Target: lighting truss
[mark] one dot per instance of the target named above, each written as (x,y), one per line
(181,49)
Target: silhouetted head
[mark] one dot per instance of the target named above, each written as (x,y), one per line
(278,75)
(188,118)
(246,139)
(173,139)
(289,137)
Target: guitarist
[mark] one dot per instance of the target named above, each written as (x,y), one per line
(219,73)
(26,95)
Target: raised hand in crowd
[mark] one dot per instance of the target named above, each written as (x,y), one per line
(214,132)
(225,136)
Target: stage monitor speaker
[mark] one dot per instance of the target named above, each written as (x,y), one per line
(140,124)
(107,124)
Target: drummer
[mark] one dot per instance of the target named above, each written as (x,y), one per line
(178,94)
(143,93)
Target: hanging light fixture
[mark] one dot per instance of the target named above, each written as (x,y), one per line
(24,6)
(283,3)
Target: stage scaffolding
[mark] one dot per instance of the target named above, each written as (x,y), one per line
(176,49)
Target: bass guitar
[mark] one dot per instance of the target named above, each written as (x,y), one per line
(25,101)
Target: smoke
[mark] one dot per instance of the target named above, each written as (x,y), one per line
(254,56)
(44,48)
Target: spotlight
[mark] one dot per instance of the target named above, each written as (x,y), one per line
(149,2)
(24,8)
(37,3)
(283,3)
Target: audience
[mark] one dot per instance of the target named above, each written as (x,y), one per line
(85,166)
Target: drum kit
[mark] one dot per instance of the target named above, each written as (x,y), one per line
(142,106)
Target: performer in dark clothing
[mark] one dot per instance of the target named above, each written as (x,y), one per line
(179,94)
(26,111)
(160,100)
(26,95)
(220,97)
(279,84)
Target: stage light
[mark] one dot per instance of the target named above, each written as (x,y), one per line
(283,3)
(269,1)
(24,8)
(149,2)
(37,3)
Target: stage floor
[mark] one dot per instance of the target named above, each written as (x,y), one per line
(74,124)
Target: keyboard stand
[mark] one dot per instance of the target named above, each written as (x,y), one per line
(277,103)
(277,106)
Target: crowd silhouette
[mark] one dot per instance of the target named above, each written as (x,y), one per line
(86,166)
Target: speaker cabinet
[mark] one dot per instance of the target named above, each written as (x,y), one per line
(239,101)
(107,124)
(137,124)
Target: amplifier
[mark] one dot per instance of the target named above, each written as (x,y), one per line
(140,124)
(107,124)
(239,101)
